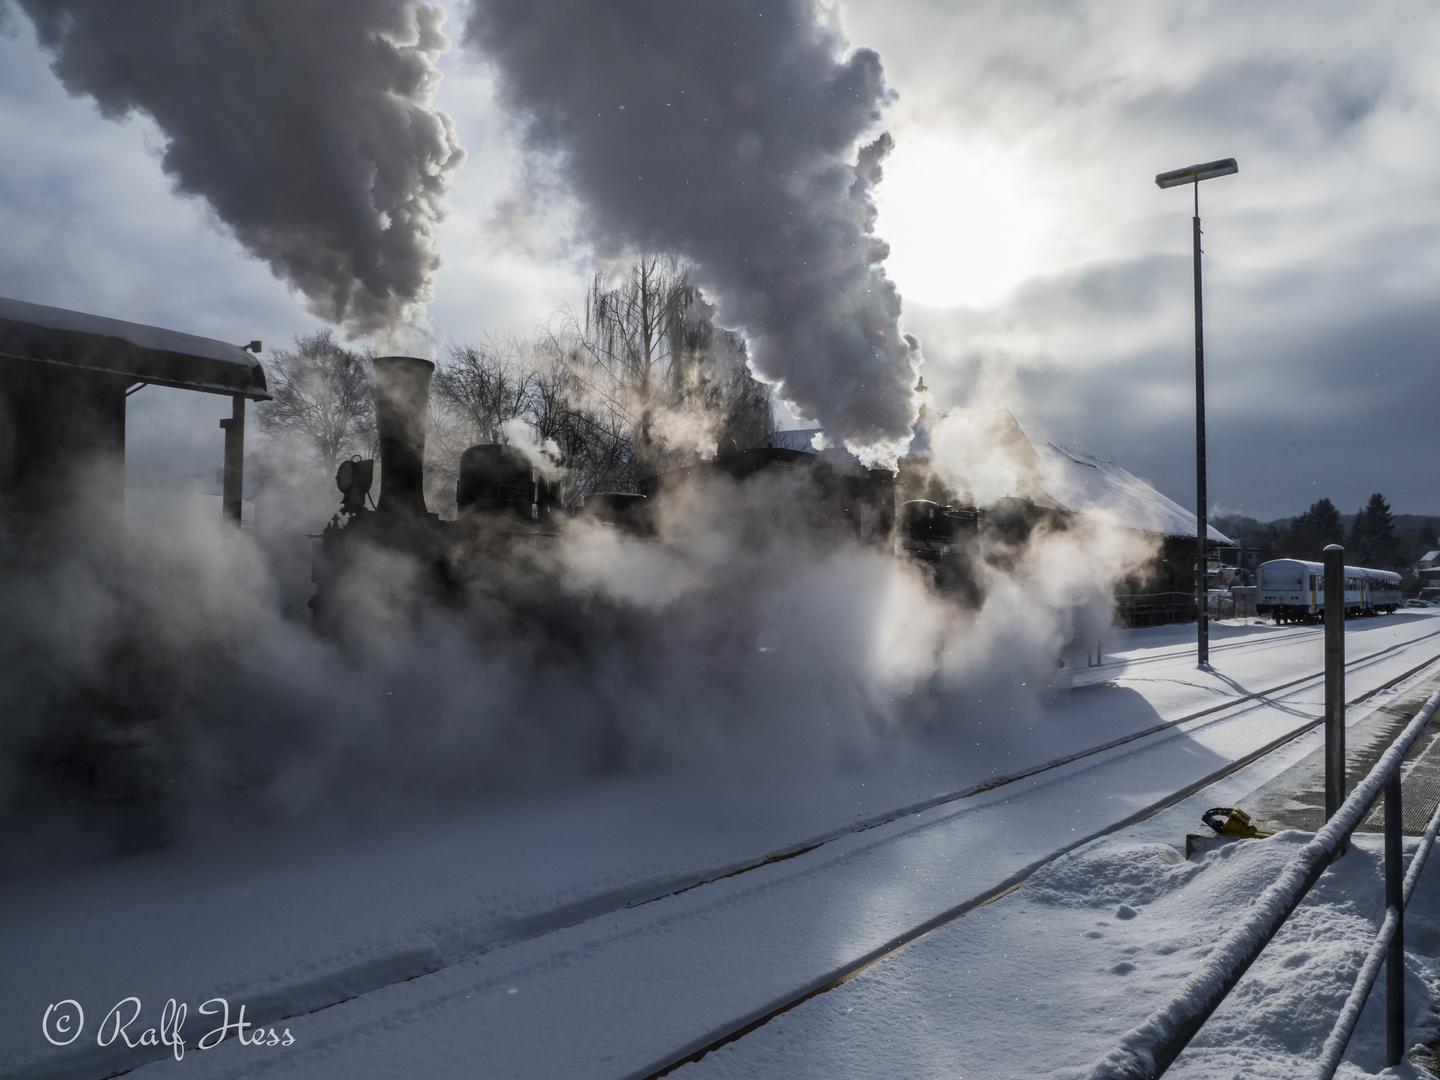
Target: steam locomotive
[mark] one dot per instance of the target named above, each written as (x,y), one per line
(509,514)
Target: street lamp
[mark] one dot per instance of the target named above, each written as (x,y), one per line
(1193,175)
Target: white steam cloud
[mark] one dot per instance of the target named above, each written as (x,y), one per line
(739,639)
(742,137)
(306,125)
(745,138)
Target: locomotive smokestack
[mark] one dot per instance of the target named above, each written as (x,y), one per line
(402,410)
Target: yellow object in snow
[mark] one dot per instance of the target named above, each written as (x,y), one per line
(1235,822)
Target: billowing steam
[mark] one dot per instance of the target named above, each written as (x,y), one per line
(305,124)
(740,639)
(729,133)
(740,629)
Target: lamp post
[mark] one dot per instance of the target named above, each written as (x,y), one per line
(1193,175)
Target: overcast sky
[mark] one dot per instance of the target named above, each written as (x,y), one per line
(1038,263)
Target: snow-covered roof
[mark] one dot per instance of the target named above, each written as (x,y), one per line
(48,335)
(1053,475)
(795,439)
(1429,559)
(1089,485)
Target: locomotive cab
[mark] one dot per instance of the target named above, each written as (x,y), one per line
(499,479)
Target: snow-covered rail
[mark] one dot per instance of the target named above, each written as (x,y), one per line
(1149,1049)
(911,809)
(1390,940)
(1014,881)
(606,985)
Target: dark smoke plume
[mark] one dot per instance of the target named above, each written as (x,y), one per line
(729,132)
(305,124)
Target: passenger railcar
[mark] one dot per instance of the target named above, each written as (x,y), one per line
(1383,591)
(1293,590)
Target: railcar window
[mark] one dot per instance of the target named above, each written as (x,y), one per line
(1283,577)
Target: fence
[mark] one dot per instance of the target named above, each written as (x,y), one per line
(1240,604)
(1158,609)
(1155,609)
(1148,1050)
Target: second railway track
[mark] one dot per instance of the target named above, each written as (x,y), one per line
(945,862)
(919,806)
(741,1028)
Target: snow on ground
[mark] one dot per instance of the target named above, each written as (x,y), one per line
(1045,981)
(522,911)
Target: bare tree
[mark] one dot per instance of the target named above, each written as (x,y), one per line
(645,382)
(629,334)
(590,433)
(650,351)
(322,396)
(710,373)
(748,409)
(487,385)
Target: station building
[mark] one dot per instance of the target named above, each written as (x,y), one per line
(65,377)
(1018,480)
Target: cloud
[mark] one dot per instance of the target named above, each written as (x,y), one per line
(307,129)
(1323,250)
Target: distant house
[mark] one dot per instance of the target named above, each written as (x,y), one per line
(1427,570)
(1085,484)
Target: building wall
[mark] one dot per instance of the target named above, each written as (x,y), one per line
(62,449)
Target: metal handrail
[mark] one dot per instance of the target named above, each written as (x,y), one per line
(1146,1051)
(1339,1038)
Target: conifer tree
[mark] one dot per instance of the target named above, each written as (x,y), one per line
(1372,538)
(1312,530)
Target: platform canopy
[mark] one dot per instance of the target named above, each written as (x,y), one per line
(147,354)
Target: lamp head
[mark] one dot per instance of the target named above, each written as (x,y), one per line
(1195,173)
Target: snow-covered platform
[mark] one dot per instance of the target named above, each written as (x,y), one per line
(613,928)
(1295,799)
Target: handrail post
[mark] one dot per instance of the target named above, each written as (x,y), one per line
(1202,530)
(1334,679)
(1149,1048)
(1394,898)
(233,486)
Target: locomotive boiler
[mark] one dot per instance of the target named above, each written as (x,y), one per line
(501,542)
(500,496)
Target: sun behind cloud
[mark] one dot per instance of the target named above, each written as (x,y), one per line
(964,221)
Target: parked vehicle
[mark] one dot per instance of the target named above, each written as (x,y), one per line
(1292,590)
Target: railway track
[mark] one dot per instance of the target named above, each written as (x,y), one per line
(584,924)
(1014,881)
(1275,639)
(920,806)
